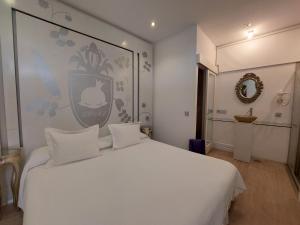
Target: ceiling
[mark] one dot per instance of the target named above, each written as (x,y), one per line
(223,20)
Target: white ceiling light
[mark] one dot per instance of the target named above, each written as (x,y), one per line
(153,24)
(250,34)
(250,31)
(124,43)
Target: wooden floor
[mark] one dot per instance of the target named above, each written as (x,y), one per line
(11,216)
(269,200)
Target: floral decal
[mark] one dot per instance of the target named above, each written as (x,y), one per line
(91,60)
(122,62)
(60,35)
(91,87)
(147,65)
(49,5)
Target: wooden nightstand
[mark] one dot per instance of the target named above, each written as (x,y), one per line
(13,159)
(147,130)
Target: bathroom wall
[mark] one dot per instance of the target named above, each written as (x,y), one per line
(272,57)
(270,142)
(275,48)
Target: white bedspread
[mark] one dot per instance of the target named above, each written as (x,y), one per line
(146,184)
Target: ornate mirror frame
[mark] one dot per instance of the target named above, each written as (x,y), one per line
(258,84)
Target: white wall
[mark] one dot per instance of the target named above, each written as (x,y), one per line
(276,48)
(206,51)
(175,85)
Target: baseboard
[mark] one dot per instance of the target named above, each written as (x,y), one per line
(223,146)
(208,148)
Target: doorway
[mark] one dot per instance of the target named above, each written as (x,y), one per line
(205,106)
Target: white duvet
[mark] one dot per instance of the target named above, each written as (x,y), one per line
(146,184)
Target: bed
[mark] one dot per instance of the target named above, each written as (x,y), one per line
(150,183)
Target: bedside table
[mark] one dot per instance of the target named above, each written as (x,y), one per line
(147,130)
(13,159)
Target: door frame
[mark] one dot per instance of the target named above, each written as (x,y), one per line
(202,100)
(208,73)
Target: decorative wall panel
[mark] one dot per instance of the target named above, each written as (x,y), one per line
(69,80)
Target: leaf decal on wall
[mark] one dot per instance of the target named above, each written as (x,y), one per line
(63,31)
(70,43)
(106,67)
(44,4)
(60,43)
(119,104)
(90,59)
(93,55)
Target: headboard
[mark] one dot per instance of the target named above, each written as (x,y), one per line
(68,80)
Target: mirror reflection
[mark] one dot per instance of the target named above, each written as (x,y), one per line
(248,89)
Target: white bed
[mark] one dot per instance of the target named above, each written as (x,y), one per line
(146,184)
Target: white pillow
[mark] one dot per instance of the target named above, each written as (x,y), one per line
(124,135)
(107,141)
(70,146)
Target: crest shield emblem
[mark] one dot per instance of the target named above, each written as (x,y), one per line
(91,97)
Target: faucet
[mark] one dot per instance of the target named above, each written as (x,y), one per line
(250,111)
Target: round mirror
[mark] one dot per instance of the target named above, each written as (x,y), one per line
(249,88)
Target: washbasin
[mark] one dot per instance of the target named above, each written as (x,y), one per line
(245,119)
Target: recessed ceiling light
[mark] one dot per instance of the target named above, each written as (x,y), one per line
(153,24)
(124,43)
(250,34)
(249,31)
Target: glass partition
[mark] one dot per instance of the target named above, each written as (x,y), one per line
(9,128)
(209,109)
(294,149)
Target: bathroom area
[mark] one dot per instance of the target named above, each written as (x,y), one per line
(261,118)
(256,102)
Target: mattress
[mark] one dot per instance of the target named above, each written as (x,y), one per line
(146,184)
